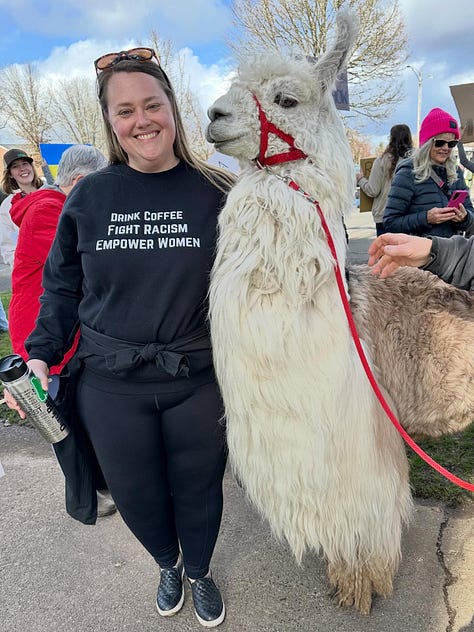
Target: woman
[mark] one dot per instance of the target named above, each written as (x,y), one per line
(378,184)
(19,179)
(422,185)
(130,263)
(36,216)
(19,175)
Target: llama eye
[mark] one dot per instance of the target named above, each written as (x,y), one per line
(284,101)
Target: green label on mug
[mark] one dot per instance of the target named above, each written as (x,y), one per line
(36,384)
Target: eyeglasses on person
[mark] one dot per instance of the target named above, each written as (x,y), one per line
(439,142)
(136,54)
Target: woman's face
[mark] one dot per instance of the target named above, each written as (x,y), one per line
(439,155)
(22,172)
(141,116)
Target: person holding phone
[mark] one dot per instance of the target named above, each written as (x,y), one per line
(420,198)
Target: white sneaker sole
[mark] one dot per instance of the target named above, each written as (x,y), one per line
(215,622)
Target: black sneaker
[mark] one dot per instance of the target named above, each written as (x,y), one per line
(208,604)
(170,595)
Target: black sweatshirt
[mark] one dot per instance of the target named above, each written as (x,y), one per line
(131,259)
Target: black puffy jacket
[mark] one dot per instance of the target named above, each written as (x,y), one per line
(409,201)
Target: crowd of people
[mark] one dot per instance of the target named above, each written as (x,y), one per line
(125,322)
(412,190)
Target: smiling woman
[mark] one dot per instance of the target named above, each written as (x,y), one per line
(418,200)
(19,179)
(144,125)
(131,264)
(19,173)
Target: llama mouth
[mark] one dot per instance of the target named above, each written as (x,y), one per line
(218,141)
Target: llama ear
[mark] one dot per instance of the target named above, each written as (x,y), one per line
(334,60)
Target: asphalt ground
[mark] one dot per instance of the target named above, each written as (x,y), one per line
(57,575)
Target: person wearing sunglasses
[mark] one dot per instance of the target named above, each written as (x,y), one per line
(422,186)
(130,264)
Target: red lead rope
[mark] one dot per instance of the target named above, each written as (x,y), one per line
(363,358)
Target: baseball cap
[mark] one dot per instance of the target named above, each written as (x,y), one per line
(14,154)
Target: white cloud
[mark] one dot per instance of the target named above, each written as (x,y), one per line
(207,82)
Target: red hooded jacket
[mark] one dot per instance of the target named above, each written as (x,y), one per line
(36,215)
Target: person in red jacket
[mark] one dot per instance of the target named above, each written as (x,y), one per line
(19,178)
(37,215)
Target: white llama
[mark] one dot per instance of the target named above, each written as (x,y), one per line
(307,438)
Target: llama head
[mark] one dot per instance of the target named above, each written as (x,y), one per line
(296,96)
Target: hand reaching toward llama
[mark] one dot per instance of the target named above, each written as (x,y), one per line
(392,250)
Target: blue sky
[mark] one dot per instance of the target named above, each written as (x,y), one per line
(62,37)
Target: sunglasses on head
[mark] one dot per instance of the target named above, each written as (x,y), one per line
(135,54)
(439,142)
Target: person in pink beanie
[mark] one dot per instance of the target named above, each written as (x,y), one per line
(418,199)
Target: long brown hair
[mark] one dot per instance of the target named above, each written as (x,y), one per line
(10,185)
(219,177)
(400,145)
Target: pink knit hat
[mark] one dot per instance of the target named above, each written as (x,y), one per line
(436,122)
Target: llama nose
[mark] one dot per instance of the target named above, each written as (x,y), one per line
(217,110)
(214,113)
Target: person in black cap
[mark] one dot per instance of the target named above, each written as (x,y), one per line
(19,179)
(19,173)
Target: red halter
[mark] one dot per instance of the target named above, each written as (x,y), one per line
(266,127)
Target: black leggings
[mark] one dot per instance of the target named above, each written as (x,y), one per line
(163,456)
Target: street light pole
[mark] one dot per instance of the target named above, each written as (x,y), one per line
(419,77)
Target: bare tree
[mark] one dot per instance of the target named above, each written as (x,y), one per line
(306,25)
(26,104)
(361,147)
(194,118)
(76,112)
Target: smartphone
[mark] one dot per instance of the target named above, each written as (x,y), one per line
(457,198)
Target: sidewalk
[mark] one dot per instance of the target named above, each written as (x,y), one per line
(57,575)
(361,229)
(60,576)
